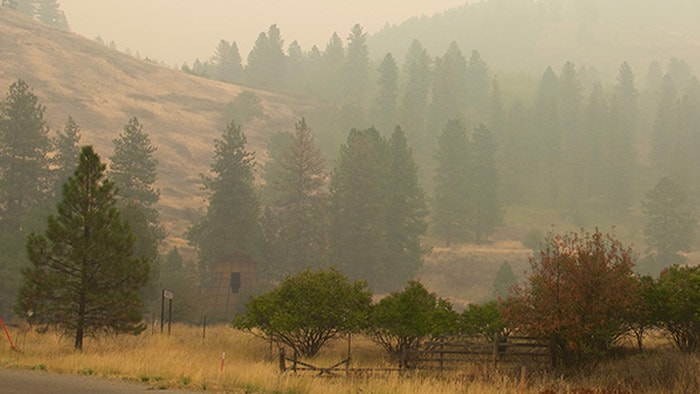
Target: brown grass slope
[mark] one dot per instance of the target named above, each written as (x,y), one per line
(101,88)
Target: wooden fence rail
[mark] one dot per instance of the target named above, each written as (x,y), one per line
(444,354)
(510,349)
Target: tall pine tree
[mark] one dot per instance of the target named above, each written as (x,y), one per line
(67,151)
(451,206)
(232,221)
(407,212)
(358,207)
(133,169)
(84,277)
(486,207)
(299,212)
(25,181)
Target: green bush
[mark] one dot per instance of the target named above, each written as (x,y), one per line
(484,319)
(308,309)
(403,320)
(677,298)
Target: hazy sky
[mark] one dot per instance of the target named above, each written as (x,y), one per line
(182,30)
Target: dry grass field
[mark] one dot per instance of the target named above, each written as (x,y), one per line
(183,360)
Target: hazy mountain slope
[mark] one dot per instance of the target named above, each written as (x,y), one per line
(102,88)
(529,35)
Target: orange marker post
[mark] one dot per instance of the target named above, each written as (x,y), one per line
(7,334)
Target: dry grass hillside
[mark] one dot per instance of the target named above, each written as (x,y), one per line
(101,88)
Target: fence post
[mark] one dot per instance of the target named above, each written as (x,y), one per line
(204,330)
(521,389)
(442,355)
(294,363)
(347,364)
(282,362)
(496,339)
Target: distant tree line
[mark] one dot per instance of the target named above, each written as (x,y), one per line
(565,140)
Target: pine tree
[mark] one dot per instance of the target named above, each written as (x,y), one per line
(296,68)
(416,88)
(671,222)
(227,62)
(548,136)
(486,211)
(24,147)
(258,61)
(300,207)
(133,167)
(477,84)
(406,212)
(84,278)
(232,221)
(356,71)
(504,281)
(594,124)
(686,164)
(67,151)
(449,86)
(384,111)
(266,60)
(133,170)
(50,13)
(358,207)
(621,155)
(452,184)
(570,170)
(331,67)
(25,181)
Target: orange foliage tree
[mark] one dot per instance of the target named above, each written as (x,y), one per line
(580,289)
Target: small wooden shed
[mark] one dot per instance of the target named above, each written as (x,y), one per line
(233,279)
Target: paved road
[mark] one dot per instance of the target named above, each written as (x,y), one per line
(39,382)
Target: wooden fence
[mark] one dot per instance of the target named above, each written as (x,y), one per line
(444,354)
(449,353)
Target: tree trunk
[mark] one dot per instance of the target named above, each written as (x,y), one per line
(80,328)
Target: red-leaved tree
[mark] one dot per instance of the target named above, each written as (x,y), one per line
(578,293)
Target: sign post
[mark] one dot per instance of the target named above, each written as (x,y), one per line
(169,296)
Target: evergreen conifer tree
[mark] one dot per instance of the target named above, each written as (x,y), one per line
(356,71)
(621,156)
(671,222)
(358,207)
(486,211)
(384,110)
(449,86)
(299,211)
(133,170)
(50,13)
(406,212)
(24,147)
(84,277)
(416,88)
(67,151)
(451,209)
(232,221)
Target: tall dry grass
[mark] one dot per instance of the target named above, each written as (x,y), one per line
(184,360)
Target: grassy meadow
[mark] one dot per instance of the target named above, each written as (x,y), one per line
(186,361)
